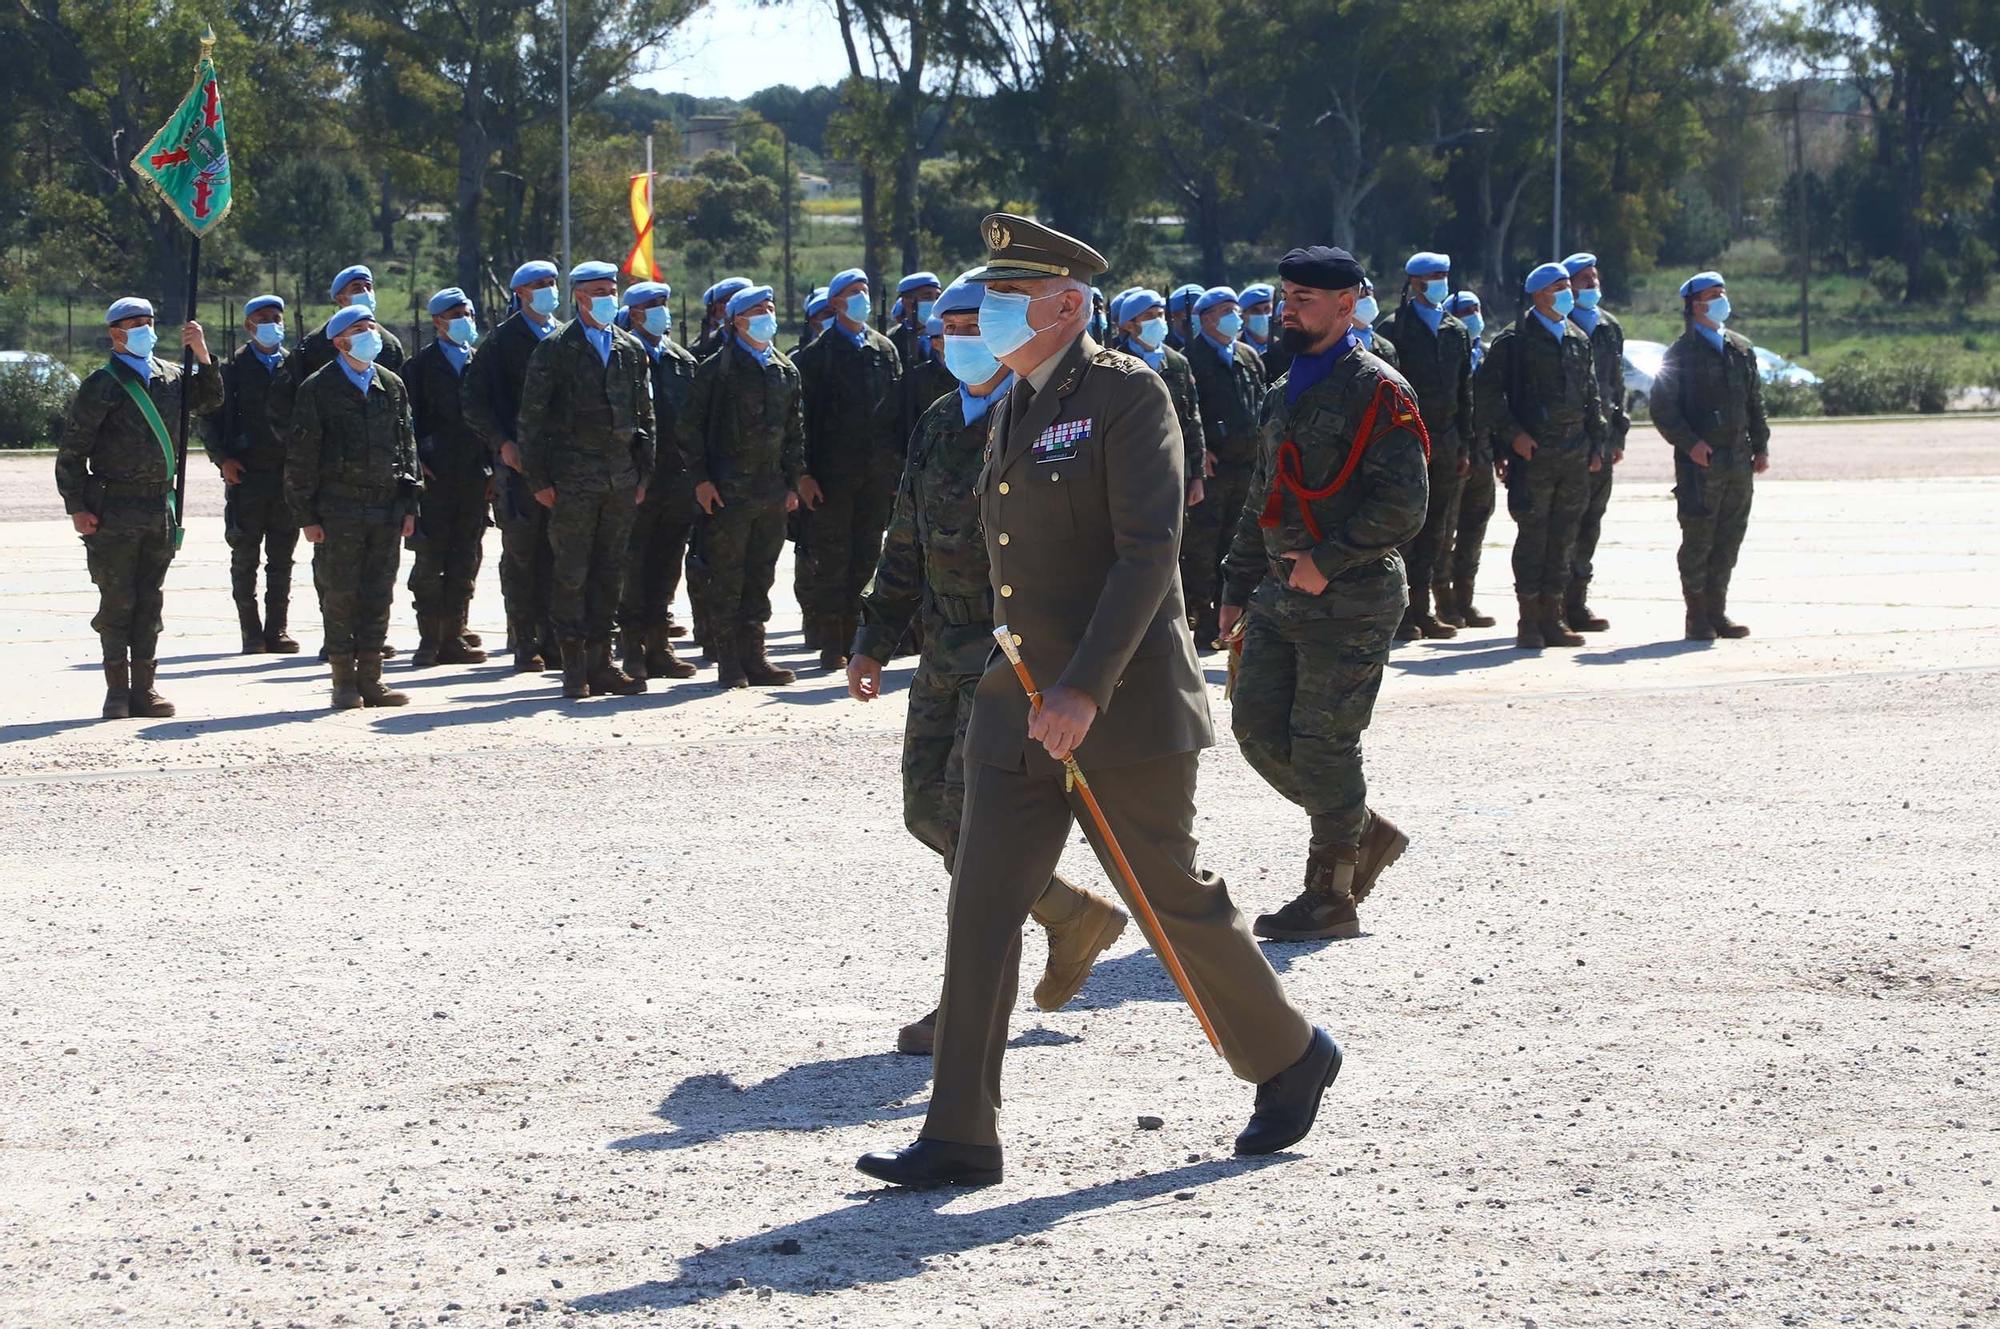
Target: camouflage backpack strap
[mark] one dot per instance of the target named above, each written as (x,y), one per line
(144,401)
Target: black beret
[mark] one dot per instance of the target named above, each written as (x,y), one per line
(1323,267)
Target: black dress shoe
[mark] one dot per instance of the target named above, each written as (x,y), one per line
(935,1163)
(1288,1102)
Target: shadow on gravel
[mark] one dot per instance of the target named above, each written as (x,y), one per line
(167,731)
(22,733)
(1452,657)
(889,1236)
(1655,650)
(1139,976)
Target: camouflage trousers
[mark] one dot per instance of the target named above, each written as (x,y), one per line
(654,554)
(1209,528)
(1546,496)
(1597,499)
(1710,540)
(527,564)
(448,545)
(128,556)
(1305,689)
(355,571)
(588,532)
(1475,510)
(257,521)
(1429,549)
(740,544)
(841,540)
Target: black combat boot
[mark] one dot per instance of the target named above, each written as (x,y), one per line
(1718,615)
(253,628)
(1555,632)
(661,662)
(1699,628)
(1325,908)
(1576,611)
(277,602)
(346,696)
(606,678)
(1469,611)
(429,626)
(757,666)
(145,701)
(368,680)
(1381,845)
(117,688)
(1528,635)
(575,669)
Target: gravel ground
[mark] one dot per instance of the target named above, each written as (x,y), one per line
(504,1010)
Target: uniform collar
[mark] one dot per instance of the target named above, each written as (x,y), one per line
(142,367)
(1308,368)
(599,339)
(1713,336)
(973,408)
(1225,349)
(1554,325)
(859,336)
(541,330)
(762,357)
(1586,318)
(363,381)
(454,354)
(1430,314)
(271,359)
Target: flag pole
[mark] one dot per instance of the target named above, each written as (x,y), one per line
(187,371)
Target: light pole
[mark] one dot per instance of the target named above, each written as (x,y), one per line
(563,103)
(1556,225)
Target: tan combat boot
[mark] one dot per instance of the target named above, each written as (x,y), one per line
(145,701)
(1381,845)
(252,626)
(1528,635)
(757,667)
(575,670)
(1698,626)
(1084,931)
(919,1037)
(606,678)
(1325,908)
(1555,632)
(117,688)
(1718,616)
(632,652)
(368,680)
(1468,610)
(346,696)
(1576,612)
(661,662)
(426,654)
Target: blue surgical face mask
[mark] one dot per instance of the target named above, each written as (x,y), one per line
(1260,326)
(924,308)
(1474,324)
(366,299)
(1367,310)
(1718,309)
(858,307)
(969,361)
(462,330)
(1588,297)
(1003,321)
(365,346)
(763,327)
(542,300)
(603,308)
(1436,289)
(1565,301)
(658,320)
(140,341)
(1229,327)
(1153,333)
(270,336)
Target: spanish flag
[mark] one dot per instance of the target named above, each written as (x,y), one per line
(639,263)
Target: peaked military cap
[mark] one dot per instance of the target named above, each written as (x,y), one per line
(1022,249)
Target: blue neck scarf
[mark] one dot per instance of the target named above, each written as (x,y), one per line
(454,354)
(143,368)
(1309,368)
(975,408)
(1227,350)
(762,357)
(859,336)
(1554,325)
(1430,314)
(1586,318)
(362,381)
(1713,335)
(600,341)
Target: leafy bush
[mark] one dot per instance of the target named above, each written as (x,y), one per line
(1859,385)
(32,406)
(1972,280)
(1792,399)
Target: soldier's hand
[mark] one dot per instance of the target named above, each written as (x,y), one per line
(492,489)
(1226,617)
(1196,491)
(1500,469)
(639,497)
(1465,466)
(314,535)
(1700,453)
(546,496)
(791,501)
(232,472)
(1524,447)
(1596,463)
(85,522)
(1208,463)
(1761,463)
(429,474)
(810,493)
(409,524)
(192,338)
(864,678)
(510,456)
(1062,721)
(1306,575)
(1617,455)
(708,496)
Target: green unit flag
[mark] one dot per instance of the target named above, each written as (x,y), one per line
(188,160)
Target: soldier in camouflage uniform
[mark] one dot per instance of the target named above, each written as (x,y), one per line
(743,434)
(1453,580)
(491,391)
(1434,356)
(715,316)
(1316,574)
(916,295)
(1366,310)
(934,567)
(351,478)
(852,380)
(659,541)
(1180,315)
(1256,301)
(458,484)
(928,379)
(1537,391)
(244,444)
(351,286)
(1142,331)
(1708,401)
(817,316)
(115,472)
(586,452)
(1607,355)
(1229,386)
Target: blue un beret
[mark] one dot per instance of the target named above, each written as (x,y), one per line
(593,270)
(257,302)
(1700,282)
(1258,293)
(960,297)
(1545,276)
(843,279)
(643,292)
(1577,262)
(746,297)
(448,298)
(346,318)
(1428,264)
(916,281)
(346,275)
(723,289)
(934,326)
(1213,296)
(129,307)
(816,301)
(1460,301)
(1183,296)
(535,269)
(1136,302)
(1322,267)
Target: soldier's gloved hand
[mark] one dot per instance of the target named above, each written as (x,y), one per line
(1196,491)
(84,522)
(1306,575)
(314,534)
(708,496)
(1700,453)
(810,493)
(1524,447)
(864,678)
(232,472)
(1062,721)
(546,497)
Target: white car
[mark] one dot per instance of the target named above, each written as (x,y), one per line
(1644,358)
(44,367)
(1775,368)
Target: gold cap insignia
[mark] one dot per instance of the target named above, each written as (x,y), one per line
(998,236)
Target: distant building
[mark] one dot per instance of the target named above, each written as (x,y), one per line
(706,134)
(814,186)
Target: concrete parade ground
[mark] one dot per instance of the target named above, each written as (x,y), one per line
(1682,1009)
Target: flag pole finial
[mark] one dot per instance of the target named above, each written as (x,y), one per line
(207,40)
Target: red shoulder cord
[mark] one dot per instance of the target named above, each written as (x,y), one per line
(1290,475)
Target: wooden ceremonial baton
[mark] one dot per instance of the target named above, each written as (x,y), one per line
(1148,920)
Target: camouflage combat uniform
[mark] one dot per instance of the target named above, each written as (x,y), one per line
(1454,584)
(451,529)
(1438,367)
(1178,374)
(1607,355)
(256,520)
(1229,388)
(491,392)
(657,547)
(854,449)
(1705,396)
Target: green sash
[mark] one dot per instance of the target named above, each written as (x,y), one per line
(144,401)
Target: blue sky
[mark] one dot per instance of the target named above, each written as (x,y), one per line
(731,48)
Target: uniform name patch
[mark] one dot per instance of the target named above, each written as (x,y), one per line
(1059,441)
